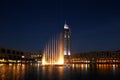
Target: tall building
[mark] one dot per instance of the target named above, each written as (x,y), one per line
(67,36)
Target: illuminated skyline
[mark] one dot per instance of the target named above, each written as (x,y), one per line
(28,25)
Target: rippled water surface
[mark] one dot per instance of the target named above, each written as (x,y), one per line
(67,72)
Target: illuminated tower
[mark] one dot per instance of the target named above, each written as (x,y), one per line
(67,36)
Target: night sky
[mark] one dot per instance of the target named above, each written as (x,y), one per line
(30,24)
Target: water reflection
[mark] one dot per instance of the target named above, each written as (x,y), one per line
(81,67)
(67,72)
(52,72)
(14,72)
(107,68)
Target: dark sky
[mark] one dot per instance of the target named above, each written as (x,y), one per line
(29,24)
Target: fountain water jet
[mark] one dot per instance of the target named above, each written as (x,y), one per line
(53,53)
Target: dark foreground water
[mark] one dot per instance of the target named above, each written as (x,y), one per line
(67,72)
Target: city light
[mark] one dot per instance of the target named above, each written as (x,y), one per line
(23,56)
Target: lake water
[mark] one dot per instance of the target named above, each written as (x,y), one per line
(67,72)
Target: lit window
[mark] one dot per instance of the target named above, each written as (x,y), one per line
(68,36)
(23,56)
(65,53)
(69,53)
(65,36)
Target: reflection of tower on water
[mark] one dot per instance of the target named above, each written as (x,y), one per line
(53,53)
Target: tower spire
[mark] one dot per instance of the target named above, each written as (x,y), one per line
(65,25)
(65,21)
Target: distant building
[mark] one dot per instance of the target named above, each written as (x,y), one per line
(11,55)
(36,56)
(8,55)
(96,57)
(67,36)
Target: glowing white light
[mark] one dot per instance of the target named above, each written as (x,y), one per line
(69,53)
(23,56)
(10,64)
(65,36)
(18,61)
(113,67)
(82,66)
(66,26)
(38,55)
(68,36)
(65,53)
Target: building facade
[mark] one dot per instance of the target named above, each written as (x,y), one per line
(99,57)
(67,36)
(8,55)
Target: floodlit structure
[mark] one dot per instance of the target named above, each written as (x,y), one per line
(67,36)
(97,57)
